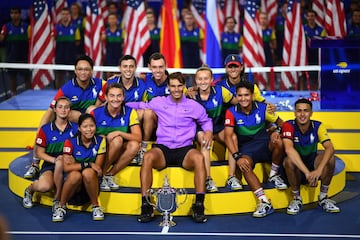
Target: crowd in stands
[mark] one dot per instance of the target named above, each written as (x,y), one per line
(69,37)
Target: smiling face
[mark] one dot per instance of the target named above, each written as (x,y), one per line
(176,89)
(244,97)
(83,71)
(127,69)
(158,68)
(203,79)
(87,128)
(115,97)
(303,113)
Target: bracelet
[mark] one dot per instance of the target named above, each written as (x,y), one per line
(237,155)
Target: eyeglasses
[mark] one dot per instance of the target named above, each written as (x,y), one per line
(83,69)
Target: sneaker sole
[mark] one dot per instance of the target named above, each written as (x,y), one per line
(292,213)
(27,206)
(28,177)
(105,190)
(98,218)
(115,188)
(281,188)
(264,215)
(213,190)
(58,220)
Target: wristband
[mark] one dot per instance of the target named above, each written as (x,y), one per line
(237,155)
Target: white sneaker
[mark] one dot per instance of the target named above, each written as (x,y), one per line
(294,207)
(104,185)
(278,182)
(210,185)
(263,209)
(98,213)
(111,183)
(56,205)
(234,184)
(27,200)
(329,205)
(32,172)
(59,214)
(139,157)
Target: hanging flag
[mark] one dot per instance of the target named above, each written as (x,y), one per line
(137,37)
(57,6)
(294,51)
(335,21)
(270,7)
(319,7)
(212,37)
(170,35)
(104,10)
(41,50)
(253,50)
(94,26)
(231,8)
(197,8)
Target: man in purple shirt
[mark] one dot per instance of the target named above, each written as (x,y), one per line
(178,118)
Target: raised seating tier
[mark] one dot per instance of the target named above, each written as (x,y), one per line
(127,200)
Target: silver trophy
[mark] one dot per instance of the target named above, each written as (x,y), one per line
(166,201)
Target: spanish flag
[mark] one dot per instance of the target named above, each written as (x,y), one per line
(170,34)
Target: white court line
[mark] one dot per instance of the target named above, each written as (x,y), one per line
(190,234)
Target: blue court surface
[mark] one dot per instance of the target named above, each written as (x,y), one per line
(311,223)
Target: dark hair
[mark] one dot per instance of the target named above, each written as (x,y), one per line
(311,11)
(85,116)
(17,9)
(62,98)
(177,75)
(127,57)
(156,56)
(114,85)
(85,58)
(230,17)
(303,100)
(245,84)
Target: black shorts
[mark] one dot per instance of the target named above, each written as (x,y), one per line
(174,157)
(46,166)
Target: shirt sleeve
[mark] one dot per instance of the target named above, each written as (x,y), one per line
(134,118)
(41,138)
(229,119)
(322,133)
(287,131)
(68,147)
(257,94)
(102,147)
(227,95)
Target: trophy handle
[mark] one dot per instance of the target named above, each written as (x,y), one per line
(149,193)
(181,191)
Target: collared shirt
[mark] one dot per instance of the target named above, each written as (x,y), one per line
(52,139)
(135,93)
(250,126)
(305,143)
(80,98)
(81,153)
(105,123)
(177,121)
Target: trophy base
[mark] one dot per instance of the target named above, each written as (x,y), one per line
(167,224)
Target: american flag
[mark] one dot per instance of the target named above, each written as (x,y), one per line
(197,8)
(319,7)
(335,21)
(137,34)
(57,6)
(92,37)
(104,9)
(270,7)
(294,51)
(229,8)
(41,45)
(253,50)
